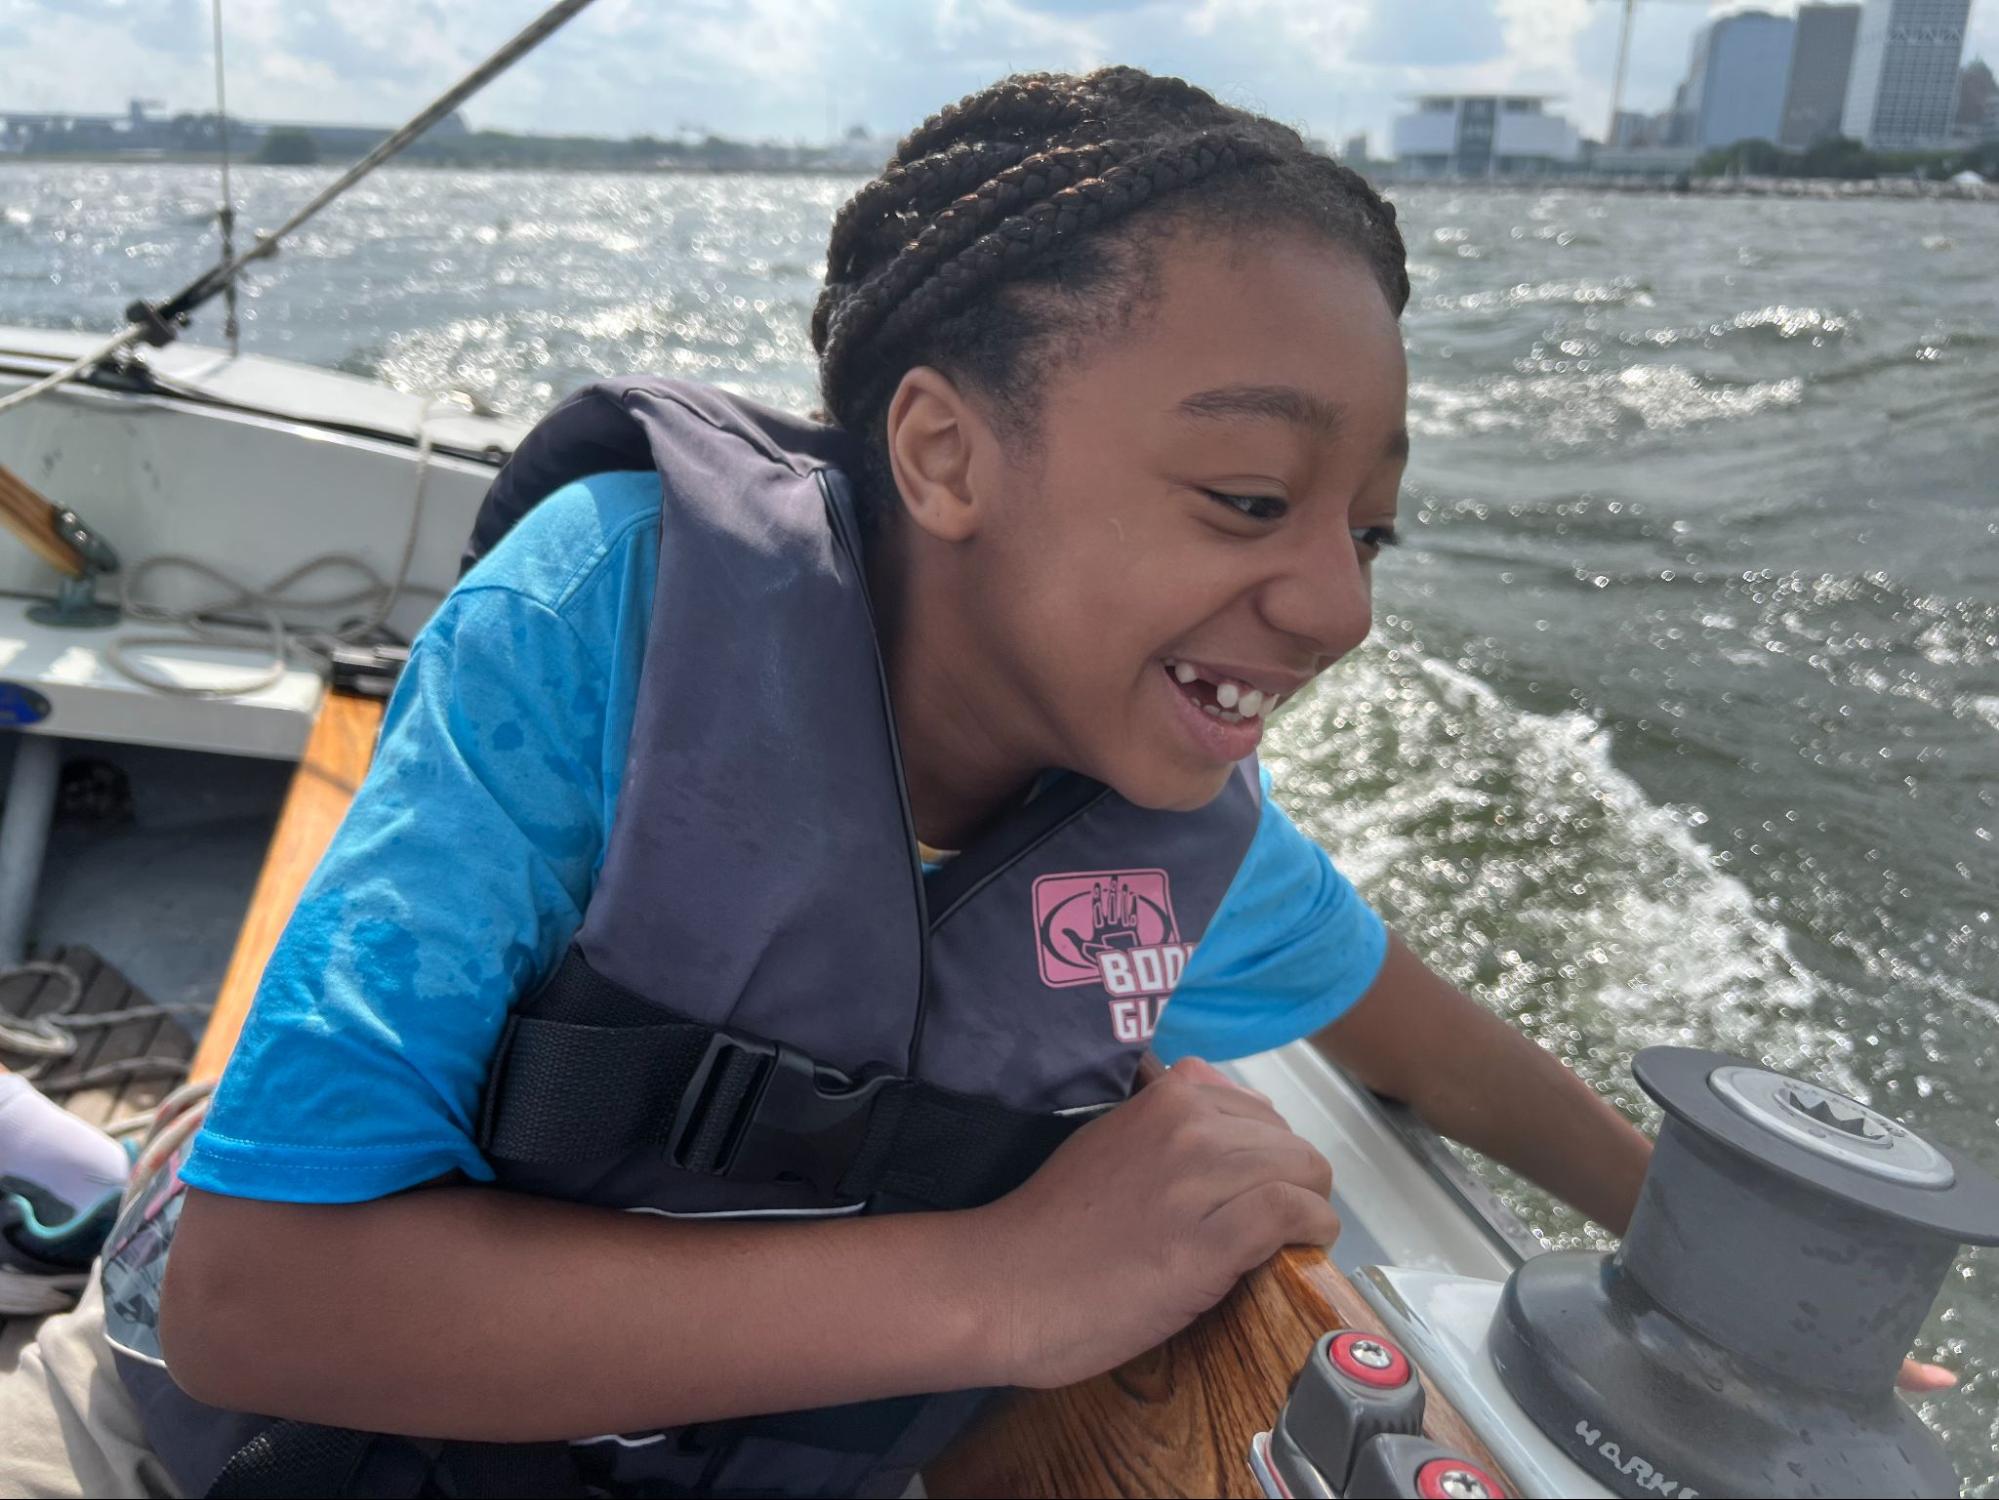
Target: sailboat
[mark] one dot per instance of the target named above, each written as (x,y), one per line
(221,558)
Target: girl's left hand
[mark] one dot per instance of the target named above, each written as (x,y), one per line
(1922,1379)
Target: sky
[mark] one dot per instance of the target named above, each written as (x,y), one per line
(802,69)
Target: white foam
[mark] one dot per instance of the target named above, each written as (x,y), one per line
(1498,830)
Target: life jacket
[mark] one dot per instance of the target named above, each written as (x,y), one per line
(770,1006)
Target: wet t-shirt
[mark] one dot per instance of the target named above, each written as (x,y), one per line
(462,869)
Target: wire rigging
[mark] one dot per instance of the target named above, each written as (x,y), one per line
(225,215)
(161,322)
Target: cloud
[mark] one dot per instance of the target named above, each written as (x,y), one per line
(795,69)
(1432,33)
(1084,7)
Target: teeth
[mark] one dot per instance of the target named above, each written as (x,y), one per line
(1233,702)
(1209,708)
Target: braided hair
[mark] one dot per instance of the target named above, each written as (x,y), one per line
(997,239)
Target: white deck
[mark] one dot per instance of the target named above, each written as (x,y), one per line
(253,465)
(278,388)
(90,699)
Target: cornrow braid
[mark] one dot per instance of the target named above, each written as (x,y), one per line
(1077,208)
(957,231)
(1004,222)
(906,192)
(1015,108)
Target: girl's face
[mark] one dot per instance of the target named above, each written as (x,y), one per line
(1188,542)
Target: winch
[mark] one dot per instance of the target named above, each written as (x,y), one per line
(1745,1337)
(1743,1340)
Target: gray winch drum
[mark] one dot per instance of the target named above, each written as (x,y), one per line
(1744,1339)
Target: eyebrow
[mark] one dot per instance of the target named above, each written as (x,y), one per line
(1281,403)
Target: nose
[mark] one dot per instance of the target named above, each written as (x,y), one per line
(1321,593)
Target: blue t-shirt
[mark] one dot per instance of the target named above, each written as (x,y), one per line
(464,864)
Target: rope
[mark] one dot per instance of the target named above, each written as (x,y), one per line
(51,1037)
(209,622)
(41,1037)
(225,216)
(123,339)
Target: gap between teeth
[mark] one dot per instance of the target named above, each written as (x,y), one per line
(1235,703)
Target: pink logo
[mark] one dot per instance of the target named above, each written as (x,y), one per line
(1109,927)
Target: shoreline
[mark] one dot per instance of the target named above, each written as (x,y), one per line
(1828,189)
(649,169)
(1825,189)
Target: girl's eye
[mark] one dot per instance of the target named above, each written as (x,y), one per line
(1371,539)
(1256,507)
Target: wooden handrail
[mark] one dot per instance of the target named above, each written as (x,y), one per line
(32,517)
(1178,1420)
(337,753)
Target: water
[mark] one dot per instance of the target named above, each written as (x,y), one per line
(1681,720)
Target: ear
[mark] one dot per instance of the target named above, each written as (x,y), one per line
(936,441)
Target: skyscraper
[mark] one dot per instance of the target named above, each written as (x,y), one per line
(1735,82)
(1821,62)
(1977,101)
(1903,89)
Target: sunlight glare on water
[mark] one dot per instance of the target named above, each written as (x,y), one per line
(1680,722)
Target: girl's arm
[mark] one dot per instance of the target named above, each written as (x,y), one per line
(1416,1038)
(469,1312)
(465,1312)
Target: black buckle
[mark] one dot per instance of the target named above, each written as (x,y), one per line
(794,1121)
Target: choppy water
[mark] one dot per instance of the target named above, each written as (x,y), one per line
(1681,723)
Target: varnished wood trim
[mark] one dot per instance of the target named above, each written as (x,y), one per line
(31,516)
(1178,1420)
(336,757)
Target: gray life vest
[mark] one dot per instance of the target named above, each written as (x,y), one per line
(770,1007)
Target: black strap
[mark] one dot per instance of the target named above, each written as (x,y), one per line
(304,1461)
(511,1469)
(733,1105)
(296,1461)
(951,886)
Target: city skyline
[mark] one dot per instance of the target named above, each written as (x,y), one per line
(807,69)
(1882,74)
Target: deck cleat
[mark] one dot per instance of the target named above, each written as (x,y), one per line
(1356,1434)
(1399,1465)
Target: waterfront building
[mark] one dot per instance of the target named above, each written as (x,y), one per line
(1977,102)
(1632,129)
(1821,63)
(1484,135)
(1903,89)
(1736,79)
(1675,127)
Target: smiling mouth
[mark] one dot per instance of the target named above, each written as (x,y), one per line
(1226,698)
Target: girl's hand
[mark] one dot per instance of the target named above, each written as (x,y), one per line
(1922,1379)
(1142,1221)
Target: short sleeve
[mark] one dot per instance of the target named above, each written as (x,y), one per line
(1292,946)
(453,885)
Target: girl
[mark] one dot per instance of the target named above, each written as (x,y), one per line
(796,829)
